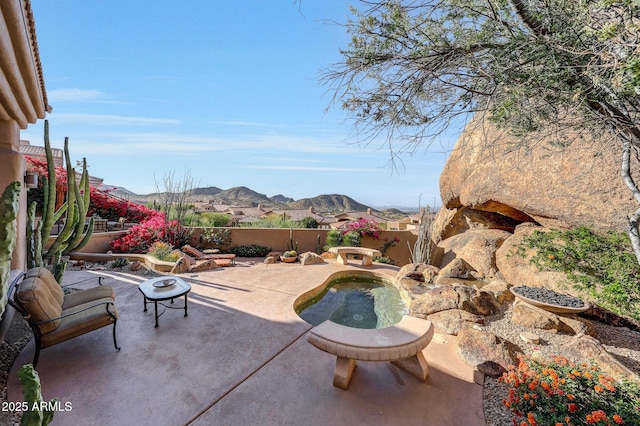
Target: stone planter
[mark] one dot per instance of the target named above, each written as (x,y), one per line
(288,259)
(555,308)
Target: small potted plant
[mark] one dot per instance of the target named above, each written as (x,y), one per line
(289,256)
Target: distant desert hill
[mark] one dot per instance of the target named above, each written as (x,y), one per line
(328,203)
(242,196)
(210,190)
(281,199)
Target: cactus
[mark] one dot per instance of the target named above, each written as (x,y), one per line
(59,267)
(8,232)
(32,253)
(39,412)
(290,245)
(48,209)
(78,239)
(76,205)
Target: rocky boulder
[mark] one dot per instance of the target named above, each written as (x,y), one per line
(590,349)
(457,268)
(311,258)
(530,316)
(416,278)
(450,222)
(454,320)
(500,290)
(477,249)
(487,171)
(518,270)
(420,272)
(488,353)
(460,297)
(204,265)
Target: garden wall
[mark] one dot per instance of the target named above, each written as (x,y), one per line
(277,239)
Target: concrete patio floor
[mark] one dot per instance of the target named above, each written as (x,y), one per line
(239,358)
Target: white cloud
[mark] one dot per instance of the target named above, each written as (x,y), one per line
(268,148)
(250,124)
(78,95)
(109,119)
(312,168)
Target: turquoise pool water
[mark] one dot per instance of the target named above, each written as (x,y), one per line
(358,301)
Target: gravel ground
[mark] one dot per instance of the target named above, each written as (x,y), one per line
(17,337)
(623,343)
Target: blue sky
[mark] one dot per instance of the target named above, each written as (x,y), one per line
(227,90)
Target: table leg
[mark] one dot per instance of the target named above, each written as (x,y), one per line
(145,303)
(156,305)
(185,305)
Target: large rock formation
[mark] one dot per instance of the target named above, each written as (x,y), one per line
(486,174)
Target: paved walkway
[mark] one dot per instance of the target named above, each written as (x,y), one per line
(239,358)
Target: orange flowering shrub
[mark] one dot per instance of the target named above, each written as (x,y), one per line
(559,392)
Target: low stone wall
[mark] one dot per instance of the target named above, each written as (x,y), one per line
(150,261)
(99,242)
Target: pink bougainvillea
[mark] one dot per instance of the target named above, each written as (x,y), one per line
(108,207)
(142,236)
(364,227)
(40,167)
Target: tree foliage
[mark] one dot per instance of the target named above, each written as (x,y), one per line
(410,69)
(174,193)
(414,68)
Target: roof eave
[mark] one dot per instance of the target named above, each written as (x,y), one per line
(24,97)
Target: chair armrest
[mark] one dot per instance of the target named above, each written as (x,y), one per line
(100,277)
(106,303)
(11,290)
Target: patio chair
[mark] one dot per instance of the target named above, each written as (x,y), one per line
(55,316)
(221,259)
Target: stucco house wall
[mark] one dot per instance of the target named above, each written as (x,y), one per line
(23,100)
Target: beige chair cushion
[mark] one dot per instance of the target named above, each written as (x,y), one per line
(45,275)
(89,295)
(38,299)
(82,322)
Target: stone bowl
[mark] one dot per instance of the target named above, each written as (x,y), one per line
(288,259)
(558,309)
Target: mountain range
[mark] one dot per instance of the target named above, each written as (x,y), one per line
(242,196)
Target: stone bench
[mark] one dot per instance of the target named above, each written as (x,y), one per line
(402,344)
(367,254)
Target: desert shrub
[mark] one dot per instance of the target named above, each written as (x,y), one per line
(351,239)
(353,234)
(120,262)
(250,250)
(140,237)
(383,259)
(206,219)
(216,219)
(601,265)
(163,251)
(334,239)
(215,237)
(560,392)
(273,221)
(308,223)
